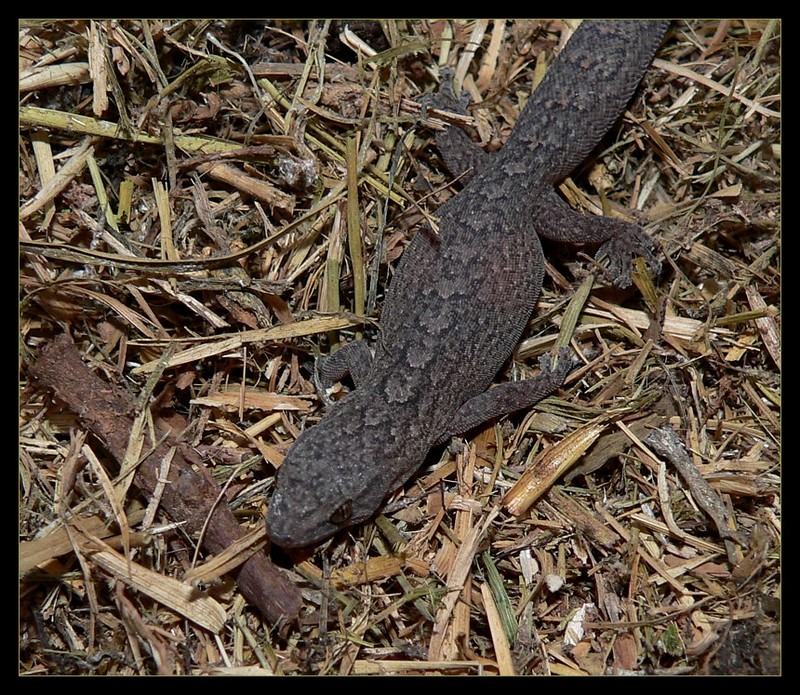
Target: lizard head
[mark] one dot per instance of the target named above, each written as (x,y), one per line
(337,474)
(310,504)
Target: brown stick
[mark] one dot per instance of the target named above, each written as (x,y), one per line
(191,493)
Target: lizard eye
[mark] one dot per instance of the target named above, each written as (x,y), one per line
(342,513)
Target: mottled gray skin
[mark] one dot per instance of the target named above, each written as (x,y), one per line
(458,303)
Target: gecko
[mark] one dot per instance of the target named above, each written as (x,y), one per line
(460,300)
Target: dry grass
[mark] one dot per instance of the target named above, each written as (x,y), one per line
(188,192)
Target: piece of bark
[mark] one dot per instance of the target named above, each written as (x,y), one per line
(107,411)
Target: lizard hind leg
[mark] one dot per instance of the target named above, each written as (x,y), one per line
(460,154)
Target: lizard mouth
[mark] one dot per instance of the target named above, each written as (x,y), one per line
(280,538)
(292,536)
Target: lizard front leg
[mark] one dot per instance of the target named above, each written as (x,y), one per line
(353,358)
(511,396)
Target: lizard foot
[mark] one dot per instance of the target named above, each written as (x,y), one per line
(628,241)
(565,363)
(445,99)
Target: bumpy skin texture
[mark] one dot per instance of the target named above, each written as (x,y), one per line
(459,302)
